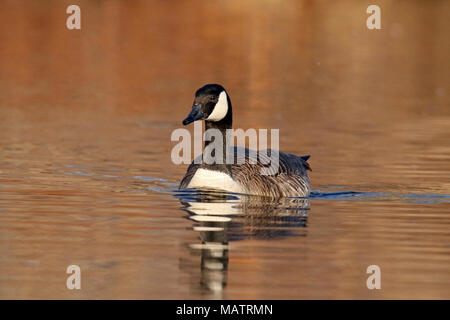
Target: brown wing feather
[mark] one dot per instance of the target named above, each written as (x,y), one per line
(290,180)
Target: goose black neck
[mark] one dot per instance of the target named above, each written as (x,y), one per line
(221,126)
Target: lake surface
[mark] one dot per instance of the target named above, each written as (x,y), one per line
(86,176)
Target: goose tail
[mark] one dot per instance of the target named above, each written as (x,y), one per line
(305,159)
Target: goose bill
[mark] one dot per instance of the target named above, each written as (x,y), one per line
(195,114)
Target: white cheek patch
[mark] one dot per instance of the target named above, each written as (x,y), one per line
(220,109)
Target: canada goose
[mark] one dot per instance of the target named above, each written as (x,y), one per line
(212,104)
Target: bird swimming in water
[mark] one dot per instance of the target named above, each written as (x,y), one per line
(212,104)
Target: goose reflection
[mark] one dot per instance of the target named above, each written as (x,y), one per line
(222,218)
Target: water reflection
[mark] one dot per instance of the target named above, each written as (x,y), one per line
(221,218)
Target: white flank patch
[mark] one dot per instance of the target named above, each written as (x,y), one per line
(220,109)
(211,179)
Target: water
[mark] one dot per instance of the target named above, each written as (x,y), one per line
(86,176)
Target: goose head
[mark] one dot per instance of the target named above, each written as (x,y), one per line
(211,104)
